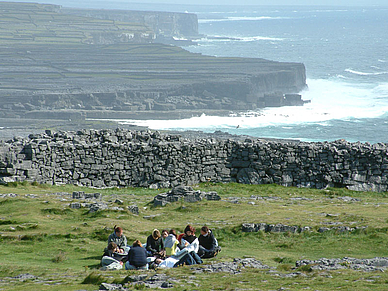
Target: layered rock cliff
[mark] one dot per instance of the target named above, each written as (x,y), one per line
(167,24)
(87,67)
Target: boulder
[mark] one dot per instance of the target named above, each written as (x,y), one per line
(185,193)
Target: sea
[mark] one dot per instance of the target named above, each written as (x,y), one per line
(344,50)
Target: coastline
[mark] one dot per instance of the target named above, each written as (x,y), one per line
(21,128)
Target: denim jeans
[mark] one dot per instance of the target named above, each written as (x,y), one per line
(189,259)
(131,267)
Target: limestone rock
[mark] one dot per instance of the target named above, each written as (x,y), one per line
(185,193)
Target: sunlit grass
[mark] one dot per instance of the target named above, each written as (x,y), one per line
(45,234)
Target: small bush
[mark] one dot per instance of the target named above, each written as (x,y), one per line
(101,234)
(5,222)
(34,183)
(305,268)
(94,279)
(285,245)
(284,267)
(32,237)
(24,183)
(60,257)
(12,184)
(56,211)
(281,260)
(140,286)
(28,225)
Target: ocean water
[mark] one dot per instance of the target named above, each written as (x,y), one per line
(345,51)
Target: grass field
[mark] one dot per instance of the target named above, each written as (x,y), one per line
(42,236)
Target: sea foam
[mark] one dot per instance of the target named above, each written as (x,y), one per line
(242,18)
(330,100)
(364,73)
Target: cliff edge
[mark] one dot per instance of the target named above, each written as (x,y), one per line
(71,67)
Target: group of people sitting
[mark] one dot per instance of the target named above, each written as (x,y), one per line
(162,250)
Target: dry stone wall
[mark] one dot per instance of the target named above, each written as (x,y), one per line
(110,158)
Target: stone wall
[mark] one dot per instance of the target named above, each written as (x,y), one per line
(150,159)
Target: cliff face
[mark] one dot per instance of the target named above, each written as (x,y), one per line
(169,24)
(135,77)
(101,66)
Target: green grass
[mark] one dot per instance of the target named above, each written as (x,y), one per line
(61,245)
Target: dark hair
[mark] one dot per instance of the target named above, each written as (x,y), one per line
(164,230)
(156,234)
(137,243)
(112,246)
(189,228)
(205,229)
(172,231)
(118,229)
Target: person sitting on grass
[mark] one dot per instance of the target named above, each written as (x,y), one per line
(189,240)
(208,246)
(155,246)
(110,259)
(164,236)
(186,256)
(171,243)
(119,239)
(137,257)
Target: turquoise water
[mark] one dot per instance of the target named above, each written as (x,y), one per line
(345,51)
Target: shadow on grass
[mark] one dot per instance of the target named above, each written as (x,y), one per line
(92,258)
(94,266)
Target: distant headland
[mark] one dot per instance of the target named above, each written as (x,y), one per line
(72,64)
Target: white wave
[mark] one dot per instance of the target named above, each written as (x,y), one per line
(365,74)
(241,18)
(382,61)
(219,38)
(341,77)
(329,100)
(256,38)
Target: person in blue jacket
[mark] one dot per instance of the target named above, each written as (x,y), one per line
(137,257)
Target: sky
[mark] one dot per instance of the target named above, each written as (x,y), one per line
(233,2)
(271,2)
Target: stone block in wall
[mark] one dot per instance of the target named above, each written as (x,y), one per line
(31,173)
(240,164)
(249,176)
(8,171)
(85,182)
(6,180)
